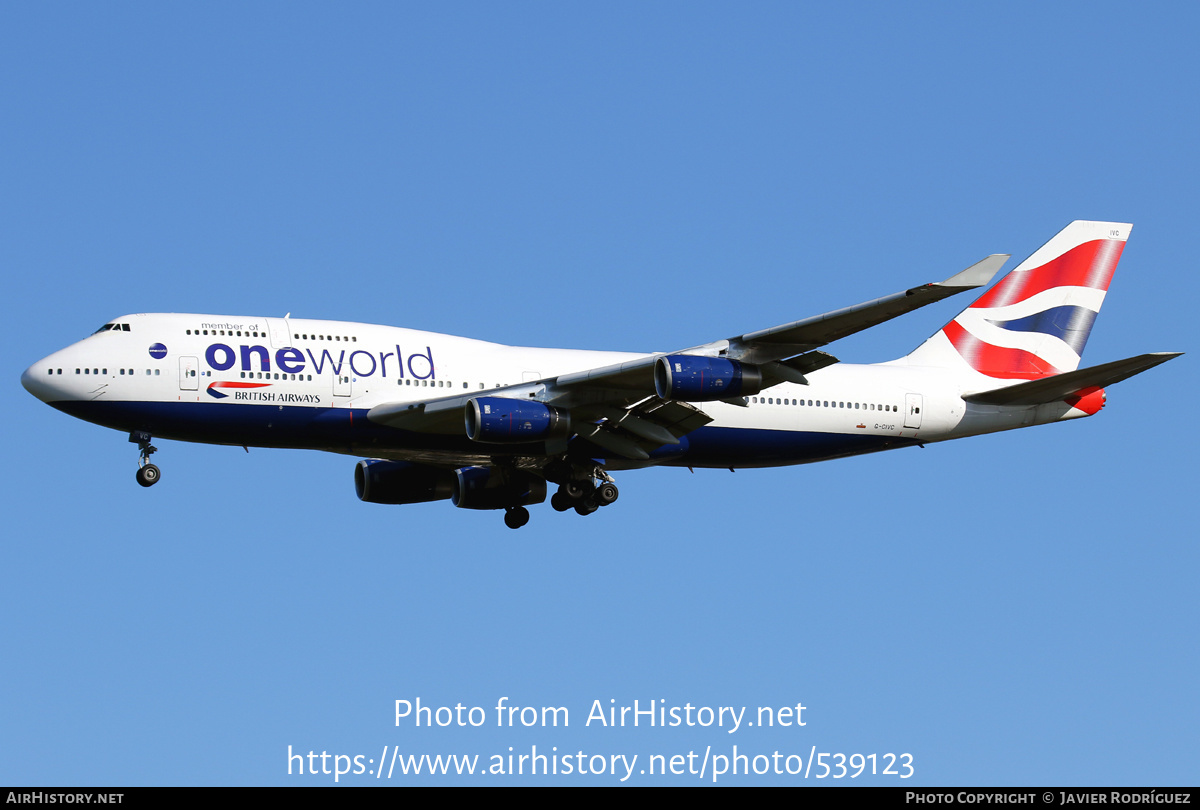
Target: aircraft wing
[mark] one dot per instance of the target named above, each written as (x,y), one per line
(793,338)
(619,408)
(630,430)
(443,415)
(770,346)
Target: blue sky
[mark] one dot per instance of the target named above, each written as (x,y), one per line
(1012,609)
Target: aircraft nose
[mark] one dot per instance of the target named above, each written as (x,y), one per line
(39,381)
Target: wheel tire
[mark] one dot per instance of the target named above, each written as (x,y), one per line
(516,517)
(606,493)
(575,490)
(586,507)
(561,502)
(148,476)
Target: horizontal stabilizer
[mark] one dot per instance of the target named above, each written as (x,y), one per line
(1060,386)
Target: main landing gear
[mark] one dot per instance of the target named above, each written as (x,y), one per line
(584,493)
(147,474)
(585,496)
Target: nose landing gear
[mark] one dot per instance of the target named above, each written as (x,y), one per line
(148,474)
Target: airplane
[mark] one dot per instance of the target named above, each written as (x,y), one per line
(489,426)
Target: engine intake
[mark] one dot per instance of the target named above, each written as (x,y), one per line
(704,379)
(499,420)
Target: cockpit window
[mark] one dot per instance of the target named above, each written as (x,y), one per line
(104,328)
(118,327)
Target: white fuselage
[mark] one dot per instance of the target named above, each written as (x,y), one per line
(303,383)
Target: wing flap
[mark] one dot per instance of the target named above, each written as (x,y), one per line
(637,431)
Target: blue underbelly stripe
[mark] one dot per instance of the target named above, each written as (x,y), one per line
(345,430)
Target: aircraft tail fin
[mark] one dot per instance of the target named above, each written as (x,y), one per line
(1035,321)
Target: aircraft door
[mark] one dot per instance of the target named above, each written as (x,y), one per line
(912,410)
(189,373)
(341,383)
(281,333)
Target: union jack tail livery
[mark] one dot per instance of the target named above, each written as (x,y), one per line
(1035,322)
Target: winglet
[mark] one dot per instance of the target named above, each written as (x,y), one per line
(979,273)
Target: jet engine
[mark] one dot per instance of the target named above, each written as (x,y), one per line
(499,420)
(704,379)
(379,481)
(494,488)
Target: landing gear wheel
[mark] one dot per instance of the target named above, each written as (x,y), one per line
(561,502)
(516,517)
(586,507)
(575,490)
(148,476)
(606,493)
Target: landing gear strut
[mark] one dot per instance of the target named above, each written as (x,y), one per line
(148,474)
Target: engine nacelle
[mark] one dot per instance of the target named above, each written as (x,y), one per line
(379,481)
(704,379)
(500,420)
(493,488)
